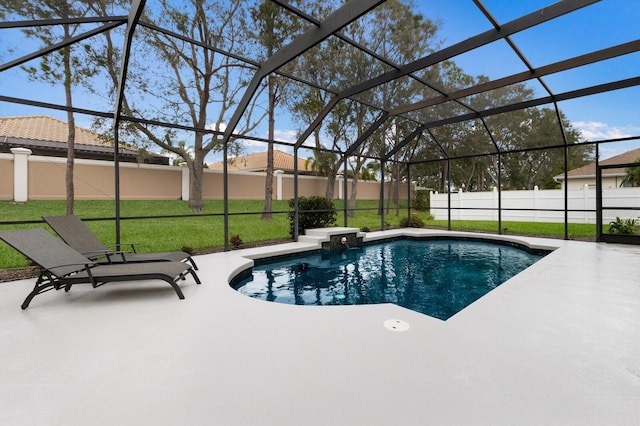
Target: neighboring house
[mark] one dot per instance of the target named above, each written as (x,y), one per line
(47,136)
(257,162)
(611,178)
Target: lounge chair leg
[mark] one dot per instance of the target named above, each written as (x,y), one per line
(195,276)
(193,263)
(30,297)
(37,289)
(176,287)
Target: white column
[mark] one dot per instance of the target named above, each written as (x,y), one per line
(340,186)
(185,181)
(20,174)
(278,174)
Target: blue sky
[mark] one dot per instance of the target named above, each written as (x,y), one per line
(609,22)
(604,24)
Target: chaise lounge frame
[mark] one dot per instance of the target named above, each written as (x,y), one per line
(78,235)
(62,266)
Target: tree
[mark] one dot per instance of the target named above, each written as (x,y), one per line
(540,127)
(273,28)
(517,134)
(379,32)
(336,64)
(175,81)
(66,65)
(179,159)
(632,175)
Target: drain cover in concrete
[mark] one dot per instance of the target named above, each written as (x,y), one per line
(396,325)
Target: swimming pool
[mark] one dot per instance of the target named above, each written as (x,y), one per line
(436,277)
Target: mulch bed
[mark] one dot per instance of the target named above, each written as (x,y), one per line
(13,274)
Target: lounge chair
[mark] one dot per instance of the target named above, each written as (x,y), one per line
(62,266)
(78,235)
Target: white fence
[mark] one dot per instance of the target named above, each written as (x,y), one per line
(526,201)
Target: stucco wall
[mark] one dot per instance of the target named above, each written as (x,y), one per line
(147,182)
(6,177)
(250,186)
(94,180)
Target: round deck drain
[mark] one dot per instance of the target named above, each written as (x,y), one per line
(396,325)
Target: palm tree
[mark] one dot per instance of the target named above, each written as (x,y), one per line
(179,159)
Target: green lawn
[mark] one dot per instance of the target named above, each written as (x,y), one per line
(206,231)
(575,230)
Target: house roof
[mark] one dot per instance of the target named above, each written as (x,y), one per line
(257,162)
(48,136)
(44,128)
(590,169)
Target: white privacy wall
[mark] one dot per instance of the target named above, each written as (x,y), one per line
(550,199)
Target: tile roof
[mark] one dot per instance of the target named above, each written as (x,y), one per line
(48,136)
(257,162)
(590,169)
(44,128)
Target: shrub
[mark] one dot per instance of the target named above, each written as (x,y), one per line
(315,212)
(416,221)
(365,229)
(235,241)
(420,199)
(623,226)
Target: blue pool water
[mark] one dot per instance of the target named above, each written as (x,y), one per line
(435,277)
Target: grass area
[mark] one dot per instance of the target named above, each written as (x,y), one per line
(205,231)
(543,229)
(197,232)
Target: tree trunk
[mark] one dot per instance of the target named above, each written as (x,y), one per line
(268,185)
(443,178)
(389,193)
(396,190)
(396,169)
(354,195)
(71,125)
(195,179)
(195,174)
(331,183)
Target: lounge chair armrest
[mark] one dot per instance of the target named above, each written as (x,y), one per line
(132,245)
(96,253)
(108,254)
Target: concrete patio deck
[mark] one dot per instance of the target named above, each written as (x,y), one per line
(559,344)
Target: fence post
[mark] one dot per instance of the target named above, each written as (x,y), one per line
(278,174)
(431,193)
(536,194)
(460,211)
(20,174)
(495,203)
(185,181)
(585,204)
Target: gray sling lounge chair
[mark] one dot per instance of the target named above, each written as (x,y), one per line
(75,233)
(63,267)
